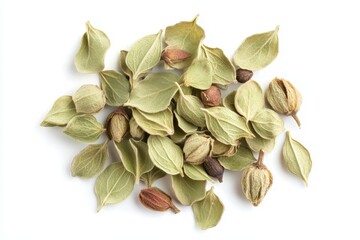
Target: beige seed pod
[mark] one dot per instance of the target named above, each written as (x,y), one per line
(117,125)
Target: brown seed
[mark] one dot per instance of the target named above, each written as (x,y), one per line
(172,55)
(211,97)
(156,199)
(243,75)
(213,168)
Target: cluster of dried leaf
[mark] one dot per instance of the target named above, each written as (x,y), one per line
(164,122)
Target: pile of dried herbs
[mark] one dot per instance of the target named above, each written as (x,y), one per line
(175,121)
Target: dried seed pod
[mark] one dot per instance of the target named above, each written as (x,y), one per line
(135,130)
(284,98)
(156,199)
(213,168)
(211,97)
(197,147)
(173,55)
(117,124)
(243,75)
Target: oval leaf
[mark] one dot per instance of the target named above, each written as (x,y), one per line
(267,123)
(208,211)
(89,99)
(84,128)
(257,51)
(225,125)
(186,190)
(124,68)
(91,54)
(196,172)
(115,86)
(229,101)
(165,154)
(113,185)
(258,143)
(297,158)
(241,159)
(90,160)
(198,75)
(144,54)
(150,177)
(249,99)
(60,113)
(160,123)
(184,125)
(154,93)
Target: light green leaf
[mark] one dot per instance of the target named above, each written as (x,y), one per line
(184,125)
(186,36)
(229,101)
(135,157)
(198,75)
(188,191)
(89,99)
(91,54)
(113,185)
(267,123)
(208,211)
(242,158)
(144,54)
(124,68)
(84,128)
(196,172)
(258,51)
(154,93)
(115,86)
(60,113)
(258,143)
(225,125)
(150,177)
(165,154)
(90,160)
(297,158)
(249,99)
(160,123)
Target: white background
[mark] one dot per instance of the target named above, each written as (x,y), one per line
(319,53)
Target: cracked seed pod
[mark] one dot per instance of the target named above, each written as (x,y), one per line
(156,199)
(117,125)
(211,97)
(284,98)
(256,181)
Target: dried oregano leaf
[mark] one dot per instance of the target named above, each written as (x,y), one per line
(154,93)
(229,101)
(90,160)
(249,99)
(60,113)
(186,36)
(113,185)
(84,128)
(267,123)
(225,125)
(208,211)
(258,51)
(223,72)
(165,154)
(258,143)
(186,190)
(91,54)
(150,177)
(198,75)
(297,158)
(89,99)
(135,157)
(115,86)
(160,123)
(184,125)
(124,68)
(196,172)
(144,54)
(241,159)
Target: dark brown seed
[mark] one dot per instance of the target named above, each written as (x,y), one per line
(156,199)
(211,97)
(243,75)
(213,168)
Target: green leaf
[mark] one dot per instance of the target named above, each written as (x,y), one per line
(208,211)
(89,99)
(196,172)
(184,125)
(188,191)
(165,154)
(223,72)
(124,68)
(267,124)
(186,36)
(258,51)
(91,54)
(60,113)
(115,86)
(84,128)
(154,93)
(225,125)
(135,157)
(113,185)
(297,158)
(198,75)
(150,177)
(90,160)
(144,54)
(249,99)
(258,143)
(229,101)
(160,123)
(241,159)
